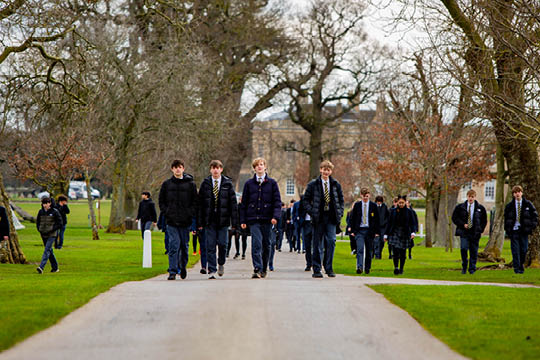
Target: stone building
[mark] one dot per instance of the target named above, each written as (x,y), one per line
(283,144)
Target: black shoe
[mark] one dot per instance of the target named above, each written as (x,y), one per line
(263,274)
(166,252)
(400,271)
(279,250)
(308,268)
(410,257)
(236,256)
(183,274)
(396,271)
(55,270)
(378,257)
(390,256)
(358,271)
(171,277)
(366,272)
(317,275)
(303,251)
(255,275)
(290,250)
(243,257)
(463,271)
(472,271)
(298,251)
(331,274)
(39,270)
(203,271)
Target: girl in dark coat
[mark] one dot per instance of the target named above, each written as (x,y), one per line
(400,233)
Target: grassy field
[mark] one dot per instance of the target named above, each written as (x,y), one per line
(87,268)
(433,263)
(480,322)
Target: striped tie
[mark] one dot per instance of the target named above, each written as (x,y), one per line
(216,192)
(364,214)
(519,212)
(469,218)
(326,194)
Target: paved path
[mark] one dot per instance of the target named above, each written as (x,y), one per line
(288,315)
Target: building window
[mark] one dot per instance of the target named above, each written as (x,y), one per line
(261,150)
(289,187)
(489,190)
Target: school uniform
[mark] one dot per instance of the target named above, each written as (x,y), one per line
(520,219)
(475,217)
(365,225)
(399,230)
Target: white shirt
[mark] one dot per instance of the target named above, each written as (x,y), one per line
(308,218)
(327,182)
(218,182)
(365,214)
(260,179)
(517,224)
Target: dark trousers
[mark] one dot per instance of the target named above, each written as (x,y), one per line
(324,243)
(147,225)
(260,245)
(215,236)
(279,240)
(399,258)
(59,242)
(289,232)
(364,245)
(202,244)
(231,234)
(308,242)
(298,234)
(379,245)
(519,244)
(194,238)
(178,248)
(48,253)
(166,239)
(390,251)
(352,241)
(244,236)
(469,244)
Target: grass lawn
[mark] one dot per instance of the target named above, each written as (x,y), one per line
(87,268)
(434,263)
(480,322)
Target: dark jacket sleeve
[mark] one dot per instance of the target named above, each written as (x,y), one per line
(341,203)
(534,216)
(195,197)
(4,223)
(415,220)
(234,208)
(354,222)
(456,219)
(308,198)
(377,219)
(276,200)
(38,219)
(153,213)
(245,198)
(139,211)
(509,217)
(57,220)
(66,209)
(162,199)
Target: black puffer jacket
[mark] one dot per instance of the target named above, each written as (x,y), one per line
(460,217)
(147,211)
(529,217)
(227,208)
(48,222)
(178,200)
(313,199)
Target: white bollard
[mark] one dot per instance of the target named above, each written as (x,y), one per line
(422,230)
(147,250)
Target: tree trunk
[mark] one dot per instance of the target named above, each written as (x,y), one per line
(430,216)
(10,250)
(494,247)
(118,215)
(445,227)
(95,233)
(315,151)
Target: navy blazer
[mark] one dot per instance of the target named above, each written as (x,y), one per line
(373,218)
(260,203)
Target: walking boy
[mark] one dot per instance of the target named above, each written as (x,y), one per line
(261,207)
(217,210)
(4,224)
(48,222)
(146,215)
(178,200)
(365,225)
(470,219)
(520,219)
(323,200)
(63,209)
(383,220)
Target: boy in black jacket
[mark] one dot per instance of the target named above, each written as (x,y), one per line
(364,227)
(178,200)
(217,210)
(323,201)
(48,222)
(470,219)
(146,214)
(4,224)
(520,219)
(63,209)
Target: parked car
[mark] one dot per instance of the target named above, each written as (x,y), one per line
(79,190)
(43,194)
